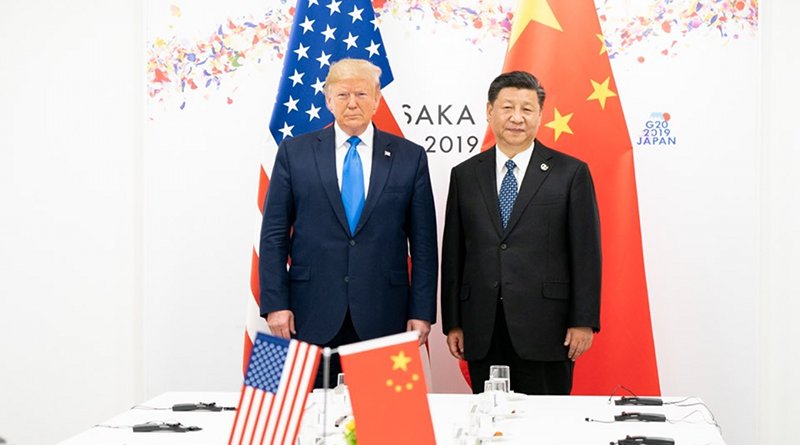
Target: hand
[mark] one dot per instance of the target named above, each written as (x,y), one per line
(455,341)
(424,328)
(579,340)
(281,323)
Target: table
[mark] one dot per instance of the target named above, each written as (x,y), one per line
(536,420)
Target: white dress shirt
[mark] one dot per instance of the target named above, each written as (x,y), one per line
(521,159)
(364,152)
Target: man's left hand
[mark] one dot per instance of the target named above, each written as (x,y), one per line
(423,326)
(579,340)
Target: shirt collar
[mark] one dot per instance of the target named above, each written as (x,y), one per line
(521,159)
(342,137)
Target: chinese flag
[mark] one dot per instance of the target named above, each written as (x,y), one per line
(561,43)
(388,391)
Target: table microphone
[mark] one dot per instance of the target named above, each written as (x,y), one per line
(640,417)
(644,440)
(152,427)
(201,407)
(651,401)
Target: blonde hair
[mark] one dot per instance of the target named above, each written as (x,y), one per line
(353,69)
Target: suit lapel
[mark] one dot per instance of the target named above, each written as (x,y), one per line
(325,153)
(534,177)
(487,182)
(381,166)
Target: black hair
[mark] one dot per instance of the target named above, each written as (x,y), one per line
(517,79)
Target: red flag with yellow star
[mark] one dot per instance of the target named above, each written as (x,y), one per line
(388,391)
(562,44)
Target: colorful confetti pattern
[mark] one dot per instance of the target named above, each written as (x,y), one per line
(667,24)
(179,71)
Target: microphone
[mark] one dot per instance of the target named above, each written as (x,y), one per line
(640,417)
(650,401)
(201,407)
(152,427)
(645,440)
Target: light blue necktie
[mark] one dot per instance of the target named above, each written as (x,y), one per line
(508,193)
(353,184)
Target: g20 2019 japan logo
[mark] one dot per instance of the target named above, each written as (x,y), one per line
(657,131)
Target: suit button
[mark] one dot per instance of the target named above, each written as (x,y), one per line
(352,242)
(495,284)
(346,279)
(503,246)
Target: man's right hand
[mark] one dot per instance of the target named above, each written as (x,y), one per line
(281,323)
(455,340)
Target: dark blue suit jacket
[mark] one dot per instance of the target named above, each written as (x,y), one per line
(333,270)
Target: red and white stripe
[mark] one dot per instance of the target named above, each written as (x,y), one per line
(254,322)
(266,418)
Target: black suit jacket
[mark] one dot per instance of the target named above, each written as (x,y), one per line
(546,264)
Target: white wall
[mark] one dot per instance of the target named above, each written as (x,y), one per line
(70,134)
(109,256)
(779,302)
(699,218)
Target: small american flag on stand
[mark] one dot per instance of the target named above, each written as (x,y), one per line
(276,385)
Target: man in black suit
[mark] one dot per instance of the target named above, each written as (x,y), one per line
(521,259)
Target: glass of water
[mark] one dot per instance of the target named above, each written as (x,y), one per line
(501,372)
(495,385)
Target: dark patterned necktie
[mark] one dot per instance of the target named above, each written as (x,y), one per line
(508,193)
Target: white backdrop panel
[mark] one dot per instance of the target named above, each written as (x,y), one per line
(698,196)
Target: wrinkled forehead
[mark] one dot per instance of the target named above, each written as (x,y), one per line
(353,83)
(522,96)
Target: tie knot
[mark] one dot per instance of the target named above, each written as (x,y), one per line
(510,165)
(354,141)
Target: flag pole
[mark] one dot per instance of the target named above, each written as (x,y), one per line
(326,370)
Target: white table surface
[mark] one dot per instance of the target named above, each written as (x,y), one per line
(537,420)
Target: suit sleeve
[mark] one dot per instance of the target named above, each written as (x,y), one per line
(275,229)
(452,259)
(585,252)
(423,245)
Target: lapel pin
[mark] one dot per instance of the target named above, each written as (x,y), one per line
(544,167)
(387,153)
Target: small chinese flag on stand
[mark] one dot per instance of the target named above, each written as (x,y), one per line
(388,391)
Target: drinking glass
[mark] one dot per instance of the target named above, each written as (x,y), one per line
(501,372)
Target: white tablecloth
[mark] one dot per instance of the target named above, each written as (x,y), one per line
(536,420)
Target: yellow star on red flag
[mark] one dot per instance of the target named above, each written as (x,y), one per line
(532,11)
(601,92)
(603,48)
(560,123)
(400,361)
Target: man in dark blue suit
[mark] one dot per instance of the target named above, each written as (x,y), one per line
(346,205)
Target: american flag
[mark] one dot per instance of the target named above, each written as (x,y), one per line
(278,380)
(323,32)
